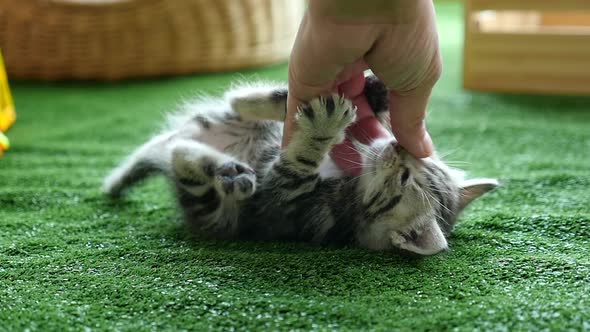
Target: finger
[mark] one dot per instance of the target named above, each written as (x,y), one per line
(318,60)
(408,109)
(351,81)
(407,123)
(406,57)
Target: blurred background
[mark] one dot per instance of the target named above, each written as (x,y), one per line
(92,79)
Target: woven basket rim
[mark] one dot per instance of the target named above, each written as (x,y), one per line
(71,39)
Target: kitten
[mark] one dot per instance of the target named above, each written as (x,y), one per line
(233,181)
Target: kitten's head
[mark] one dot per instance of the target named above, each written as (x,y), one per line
(412,204)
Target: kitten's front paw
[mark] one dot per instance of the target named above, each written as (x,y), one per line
(326,118)
(236,179)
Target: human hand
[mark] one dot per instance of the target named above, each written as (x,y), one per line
(396,39)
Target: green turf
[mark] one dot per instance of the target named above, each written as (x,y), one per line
(69,260)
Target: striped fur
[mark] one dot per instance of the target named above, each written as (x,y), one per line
(233,180)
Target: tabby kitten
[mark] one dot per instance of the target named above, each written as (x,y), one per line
(233,181)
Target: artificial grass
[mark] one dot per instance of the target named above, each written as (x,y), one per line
(70,260)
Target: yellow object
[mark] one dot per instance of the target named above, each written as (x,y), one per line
(4,143)
(7,114)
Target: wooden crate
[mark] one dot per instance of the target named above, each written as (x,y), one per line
(527,46)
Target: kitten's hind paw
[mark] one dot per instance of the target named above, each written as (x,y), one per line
(326,118)
(236,179)
(197,167)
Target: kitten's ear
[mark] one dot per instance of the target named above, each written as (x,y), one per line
(472,189)
(426,241)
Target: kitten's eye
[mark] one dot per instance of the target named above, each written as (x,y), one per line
(405,176)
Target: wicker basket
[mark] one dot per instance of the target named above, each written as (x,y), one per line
(115,39)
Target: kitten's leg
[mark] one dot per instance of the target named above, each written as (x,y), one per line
(321,124)
(259,102)
(210,184)
(179,159)
(196,166)
(290,190)
(148,159)
(377,94)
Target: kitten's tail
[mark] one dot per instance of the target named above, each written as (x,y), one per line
(147,160)
(263,101)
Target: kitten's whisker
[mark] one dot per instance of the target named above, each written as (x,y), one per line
(427,200)
(356,162)
(440,203)
(371,152)
(365,153)
(448,153)
(366,150)
(369,156)
(442,191)
(359,176)
(422,197)
(457,163)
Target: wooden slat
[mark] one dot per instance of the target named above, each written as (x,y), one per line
(468,29)
(538,68)
(531,22)
(540,5)
(510,83)
(533,44)
(565,19)
(532,63)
